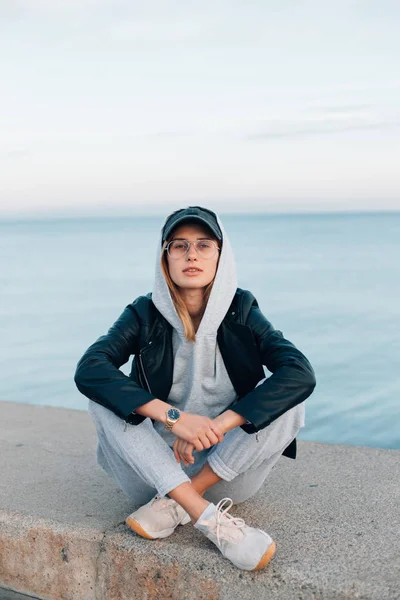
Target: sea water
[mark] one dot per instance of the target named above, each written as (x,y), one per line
(329,282)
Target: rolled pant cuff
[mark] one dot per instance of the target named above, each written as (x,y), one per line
(220,468)
(164,487)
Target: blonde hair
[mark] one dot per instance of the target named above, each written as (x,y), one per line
(177,299)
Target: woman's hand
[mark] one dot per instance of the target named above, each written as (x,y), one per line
(183,451)
(201,432)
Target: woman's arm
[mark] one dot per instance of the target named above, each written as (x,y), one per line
(229,420)
(292,380)
(97,374)
(155,409)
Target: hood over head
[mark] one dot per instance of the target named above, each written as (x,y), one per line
(225,281)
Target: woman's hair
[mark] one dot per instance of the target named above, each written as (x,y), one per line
(177,299)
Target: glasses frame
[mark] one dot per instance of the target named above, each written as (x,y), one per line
(216,248)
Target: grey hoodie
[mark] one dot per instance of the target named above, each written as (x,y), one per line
(201,384)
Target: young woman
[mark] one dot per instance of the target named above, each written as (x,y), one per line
(196,427)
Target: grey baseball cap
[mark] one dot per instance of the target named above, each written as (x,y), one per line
(192,214)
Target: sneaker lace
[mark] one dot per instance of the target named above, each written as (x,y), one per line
(161,501)
(223,519)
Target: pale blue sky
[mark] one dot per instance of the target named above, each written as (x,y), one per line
(267,105)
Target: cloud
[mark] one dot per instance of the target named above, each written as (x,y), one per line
(170,134)
(50,6)
(295,131)
(371,86)
(350,108)
(15,154)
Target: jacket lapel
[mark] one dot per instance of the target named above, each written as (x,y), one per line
(236,343)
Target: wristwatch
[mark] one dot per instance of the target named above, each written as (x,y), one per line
(173,415)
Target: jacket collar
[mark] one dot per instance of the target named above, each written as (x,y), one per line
(160,323)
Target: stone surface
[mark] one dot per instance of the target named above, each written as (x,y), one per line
(333,512)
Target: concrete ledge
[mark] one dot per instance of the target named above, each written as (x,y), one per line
(334,514)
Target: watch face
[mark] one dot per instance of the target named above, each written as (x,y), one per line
(174,413)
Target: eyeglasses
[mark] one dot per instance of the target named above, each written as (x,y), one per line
(205,248)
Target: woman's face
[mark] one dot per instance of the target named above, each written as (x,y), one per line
(207,267)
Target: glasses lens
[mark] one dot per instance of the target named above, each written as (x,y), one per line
(205,248)
(178,248)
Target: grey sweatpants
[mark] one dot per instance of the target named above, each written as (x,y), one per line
(142,463)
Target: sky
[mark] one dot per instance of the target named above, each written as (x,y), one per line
(271,105)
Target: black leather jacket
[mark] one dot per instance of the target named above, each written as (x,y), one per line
(246,339)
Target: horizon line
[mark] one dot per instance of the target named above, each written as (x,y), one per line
(54,216)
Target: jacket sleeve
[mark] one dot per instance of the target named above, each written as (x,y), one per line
(97,374)
(292,380)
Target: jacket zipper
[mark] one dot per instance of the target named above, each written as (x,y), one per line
(147,383)
(144,373)
(140,378)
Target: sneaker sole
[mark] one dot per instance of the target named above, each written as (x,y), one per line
(137,528)
(134,525)
(265,559)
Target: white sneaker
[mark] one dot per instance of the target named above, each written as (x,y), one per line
(246,547)
(158,518)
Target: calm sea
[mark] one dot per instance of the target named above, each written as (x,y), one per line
(330,283)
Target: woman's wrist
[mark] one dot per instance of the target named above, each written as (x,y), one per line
(229,420)
(155,409)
